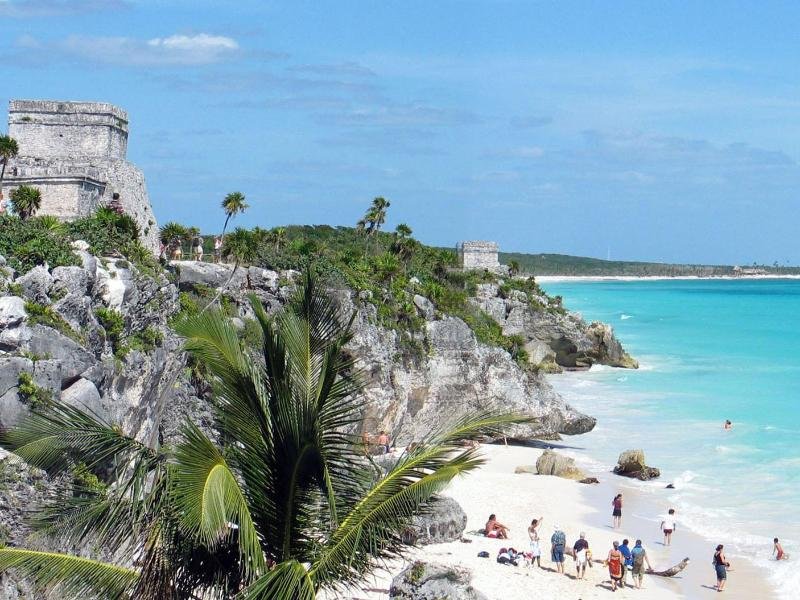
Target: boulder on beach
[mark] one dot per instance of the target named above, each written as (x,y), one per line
(430,581)
(442,521)
(589,480)
(552,463)
(631,463)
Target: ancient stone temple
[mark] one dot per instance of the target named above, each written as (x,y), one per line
(478,255)
(75,154)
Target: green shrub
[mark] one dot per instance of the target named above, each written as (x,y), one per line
(34,396)
(38,314)
(113,322)
(32,242)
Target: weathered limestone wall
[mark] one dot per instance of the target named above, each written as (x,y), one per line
(51,129)
(75,153)
(478,255)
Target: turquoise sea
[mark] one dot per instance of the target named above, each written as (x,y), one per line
(709,350)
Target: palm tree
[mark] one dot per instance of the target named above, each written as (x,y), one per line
(241,246)
(279,237)
(25,201)
(282,506)
(513,267)
(233,204)
(8,150)
(376,215)
(172,235)
(403,244)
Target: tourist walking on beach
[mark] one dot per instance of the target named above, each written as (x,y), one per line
(639,558)
(616,503)
(581,548)
(627,559)
(558,542)
(668,526)
(777,550)
(614,562)
(536,550)
(495,529)
(721,565)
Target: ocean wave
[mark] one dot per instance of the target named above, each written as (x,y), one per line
(625,317)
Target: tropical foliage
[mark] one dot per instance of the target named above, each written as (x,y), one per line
(233,204)
(279,504)
(25,201)
(8,150)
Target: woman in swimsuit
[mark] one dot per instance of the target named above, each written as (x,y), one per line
(536,550)
(721,565)
(614,562)
(494,529)
(617,514)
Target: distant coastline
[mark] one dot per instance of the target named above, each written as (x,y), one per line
(588,278)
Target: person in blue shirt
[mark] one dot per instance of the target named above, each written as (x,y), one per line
(627,560)
(639,558)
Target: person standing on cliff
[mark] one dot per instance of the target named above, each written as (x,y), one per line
(217,249)
(616,503)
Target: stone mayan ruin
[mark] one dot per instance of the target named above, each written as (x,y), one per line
(478,255)
(75,153)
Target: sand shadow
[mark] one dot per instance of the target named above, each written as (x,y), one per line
(713,588)
(605,586)
(539,444)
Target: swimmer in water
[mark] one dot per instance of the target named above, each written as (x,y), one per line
(777,550)
(727,425)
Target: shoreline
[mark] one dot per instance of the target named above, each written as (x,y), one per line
(576,507)
(590,278)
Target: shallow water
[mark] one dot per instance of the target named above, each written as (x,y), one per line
(709,350)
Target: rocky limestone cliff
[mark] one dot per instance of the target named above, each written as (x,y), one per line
(554,338)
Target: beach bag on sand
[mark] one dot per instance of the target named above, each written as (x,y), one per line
(483,554)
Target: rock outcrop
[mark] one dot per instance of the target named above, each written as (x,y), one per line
(552,463)
(631,463)
(429,581)
(443,521)
(554,338)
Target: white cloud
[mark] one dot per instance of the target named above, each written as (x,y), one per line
(174,50)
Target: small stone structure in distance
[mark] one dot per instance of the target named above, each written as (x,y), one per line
(479,255)
(75,153)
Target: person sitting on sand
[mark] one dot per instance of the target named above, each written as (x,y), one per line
(614,562)
(639,558)
(727,424)
(536,550)
(616,503)
(581,548)
(558,542)
(495,529)
(668,526)
(777,550)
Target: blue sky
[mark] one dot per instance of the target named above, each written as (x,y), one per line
(651,130)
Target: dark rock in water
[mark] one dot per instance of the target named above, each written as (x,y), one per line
(427,581)
(670,486)
(443,521)
(589,480)
(631,463)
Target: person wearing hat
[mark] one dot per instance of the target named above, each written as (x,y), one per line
(558,542)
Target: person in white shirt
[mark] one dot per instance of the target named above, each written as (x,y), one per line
(668,526)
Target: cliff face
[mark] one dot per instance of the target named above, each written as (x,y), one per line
(97,336)
(554,338)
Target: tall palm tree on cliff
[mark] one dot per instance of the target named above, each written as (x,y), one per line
(280,504)
(25,201)
(233,204)
(376,214)
(403,244)
(8,150)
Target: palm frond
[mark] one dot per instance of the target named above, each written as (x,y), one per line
(370,532)
(55,439)
(210,501)
(73,576)
(289,580)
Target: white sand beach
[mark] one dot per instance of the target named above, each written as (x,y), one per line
(517,498)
